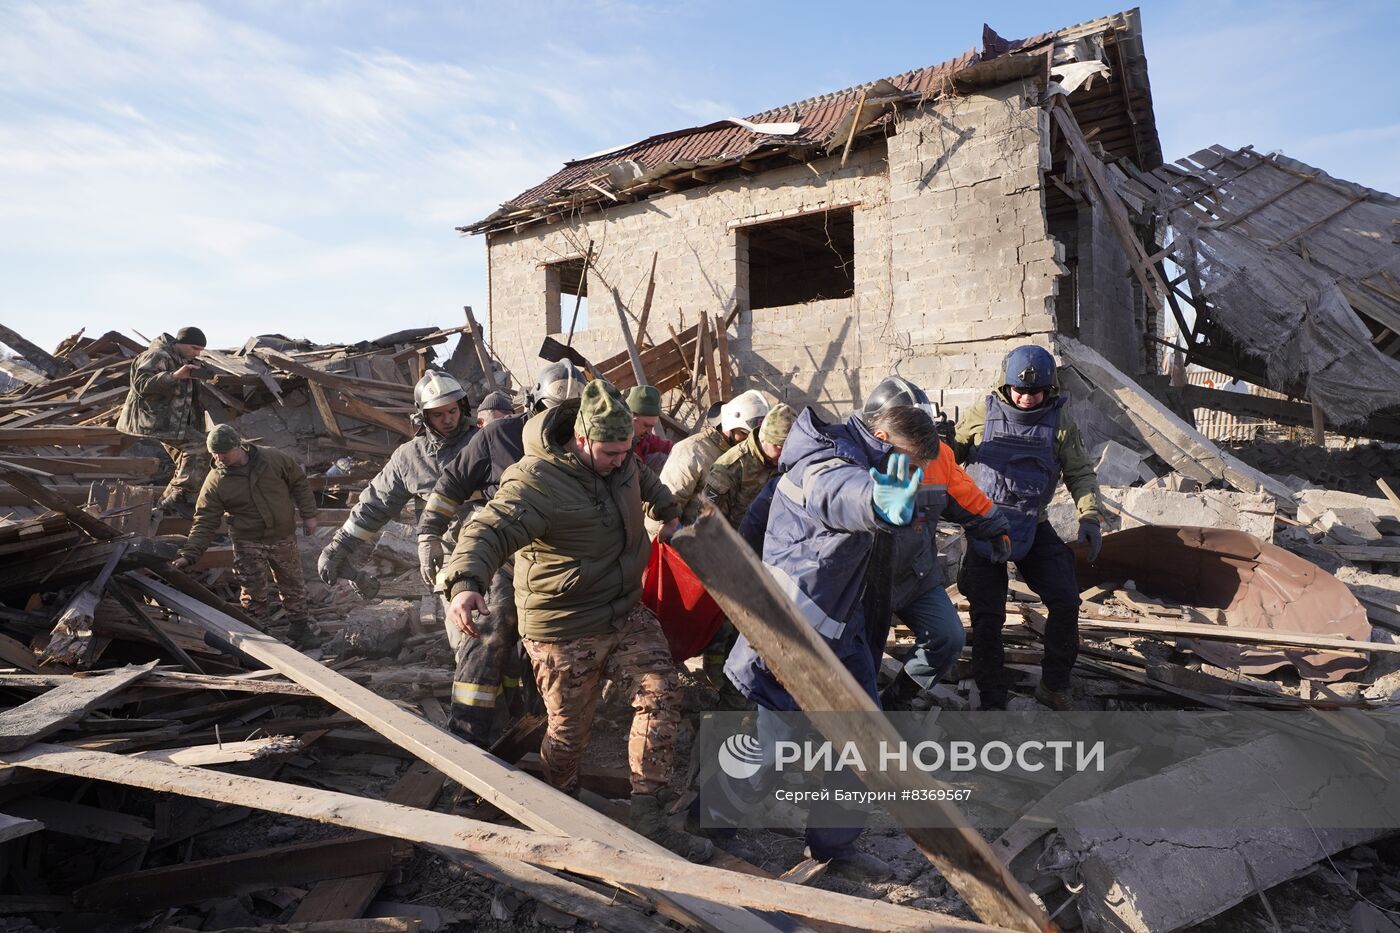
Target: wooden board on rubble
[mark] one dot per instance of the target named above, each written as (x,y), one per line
(48,713)
(568,853)
(514,792)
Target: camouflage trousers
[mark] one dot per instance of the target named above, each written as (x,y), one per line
(570,676)
(488,666)
(258,565)
(191,466)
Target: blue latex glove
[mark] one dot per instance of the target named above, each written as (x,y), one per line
(1091,534)
(895,490)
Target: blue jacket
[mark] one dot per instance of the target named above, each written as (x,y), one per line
(821,526)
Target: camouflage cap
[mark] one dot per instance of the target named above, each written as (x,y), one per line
(645,401)
(776,424)
(223,438)
(603,415)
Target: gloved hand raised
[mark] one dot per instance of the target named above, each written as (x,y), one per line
(429,557)
(1091,534)
(342,547)
(894,490)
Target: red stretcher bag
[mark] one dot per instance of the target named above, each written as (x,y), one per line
(688,614)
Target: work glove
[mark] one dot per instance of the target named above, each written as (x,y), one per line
(1001,548)
(1091,534)
(429,557)
(895,490)
(945,429)
(342,547)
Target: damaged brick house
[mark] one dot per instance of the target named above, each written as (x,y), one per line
(923,223)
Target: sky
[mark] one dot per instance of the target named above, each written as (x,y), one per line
(299,166)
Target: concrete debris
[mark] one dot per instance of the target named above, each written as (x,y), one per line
(1128,846)
(375,631)
(1252,513)
(1116,465)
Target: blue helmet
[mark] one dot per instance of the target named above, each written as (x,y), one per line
(1029,368)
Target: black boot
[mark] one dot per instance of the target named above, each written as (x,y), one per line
(648,817)
(899,696)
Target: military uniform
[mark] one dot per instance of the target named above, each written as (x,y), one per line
(261,499)
(580,549)
(168,410)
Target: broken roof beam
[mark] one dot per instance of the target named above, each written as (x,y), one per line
(46,363)
(1180,445)
(580,856)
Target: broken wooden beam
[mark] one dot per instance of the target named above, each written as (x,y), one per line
(817,680)
(584,857)
(532,802)
(46,363)
(63,705)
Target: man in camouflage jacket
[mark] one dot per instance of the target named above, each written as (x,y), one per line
(163,404)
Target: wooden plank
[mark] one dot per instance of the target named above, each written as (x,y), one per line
(323,407)
(13,827)
(45,362)
(533,803)
(72,466)
(478,337)
(85,822)
(584,857)
(347,898)
(347,404)
(44,715)
(40,495)
(1374,554)
(231,875)
(726,372)
(817,680)
(61,435)
(646,304)
(711,379)
(1239,635)
(638,372)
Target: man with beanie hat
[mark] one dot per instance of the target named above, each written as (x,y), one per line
(494,407)
(163,404)
(645,404)
(260,489)
(571,512)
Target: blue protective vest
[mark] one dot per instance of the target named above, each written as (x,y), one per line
(1016,466)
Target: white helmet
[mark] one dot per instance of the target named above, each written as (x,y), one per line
(435,390)
(743,412)
(557,382)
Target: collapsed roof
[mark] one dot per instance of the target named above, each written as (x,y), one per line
(1294,275)
(1120,106)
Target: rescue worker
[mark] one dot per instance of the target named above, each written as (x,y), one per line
(645,405)
(917,595)
(731,485)
(692,458)
(741,471)
(572,510)
(163,404)
(488,664)
(411,472)
(839,490)
(1018,443)
(261,490)
(495,406)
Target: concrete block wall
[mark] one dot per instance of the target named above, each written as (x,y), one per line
(975,269)
(953,264)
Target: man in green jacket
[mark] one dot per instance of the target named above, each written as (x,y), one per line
(260,489)
(163,404)
(571,512)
